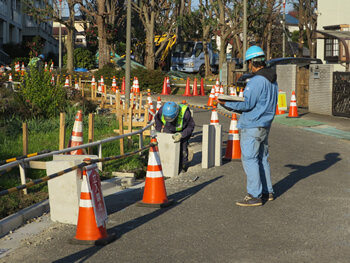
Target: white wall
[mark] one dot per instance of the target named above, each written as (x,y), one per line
(331,12)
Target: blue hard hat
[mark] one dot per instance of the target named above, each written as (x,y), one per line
(254,52)
(170,111)
(41,56)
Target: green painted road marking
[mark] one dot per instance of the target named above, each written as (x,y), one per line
(281,119)
(328,130)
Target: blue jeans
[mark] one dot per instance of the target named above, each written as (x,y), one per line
(255,153)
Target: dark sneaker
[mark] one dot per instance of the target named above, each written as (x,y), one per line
(268,197)
(250,201)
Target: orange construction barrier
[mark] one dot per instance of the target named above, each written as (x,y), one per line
(233,148)
(165,87)
(92,218)
(154,194)
(214,120)
(188,88)
(76,138)
(202,93)
(195,90)
(293,110)
(211,97)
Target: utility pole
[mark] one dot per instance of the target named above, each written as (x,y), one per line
(128,49)
(60,38)
(244,33)
(284,30)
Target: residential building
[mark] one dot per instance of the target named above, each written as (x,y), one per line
(333,27)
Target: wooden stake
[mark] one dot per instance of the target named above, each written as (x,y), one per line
(25,138)
(62,140)
(91,131)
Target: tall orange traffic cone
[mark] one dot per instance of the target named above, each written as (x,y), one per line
(293,110)
(10,77)
(165,88)
(188,88)
(202,93)
(92,218)
(102,82)
(154,194)
(159,104)
(233,148)
(214,120)
(137,87)
(195,89)
(76,138)
(66,83)
(211,97)
(123,86)
(168,85)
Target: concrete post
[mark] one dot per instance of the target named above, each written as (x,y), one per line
(169,154)
(208,146)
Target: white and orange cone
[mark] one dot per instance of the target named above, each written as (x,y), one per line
(136,87)
(159,104)
(154,194)
(214,120)
(45,68)
(76,138)
(211,97)
(53,79)
(293,110)
(150,104)
(92,218)
(10,77)
(233,148)
(241,93)
(66,83)
(51,67)
(93,82)
(232,91)
(114,84)
(17,67)
(102,82)
(221,91)
(168,85)
(23,69)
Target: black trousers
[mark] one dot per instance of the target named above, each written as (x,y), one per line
(183,152)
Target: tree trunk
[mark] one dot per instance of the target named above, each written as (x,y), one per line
(206,59)
(70,50)
(102,38)
(149,55)
(301,28)
(222,54)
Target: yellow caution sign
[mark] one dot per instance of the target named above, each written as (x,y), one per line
(282,101)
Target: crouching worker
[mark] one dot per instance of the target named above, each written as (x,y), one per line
(176,119)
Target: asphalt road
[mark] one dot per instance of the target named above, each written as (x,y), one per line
(308,222)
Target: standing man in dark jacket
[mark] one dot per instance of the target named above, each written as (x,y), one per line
(258,110)
(176,119)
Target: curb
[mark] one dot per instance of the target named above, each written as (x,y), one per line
(20,218)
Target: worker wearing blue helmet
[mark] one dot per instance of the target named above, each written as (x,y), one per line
(176,119)
(37,62)
(258,110)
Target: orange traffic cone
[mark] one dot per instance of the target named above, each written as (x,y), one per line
(165,88)
(93,82)
(168,85)
(102,82)
(66,83)
(154,194)
(233,148)
(159,104)
(137,87)
(195,90)
(114,84)
(221,91)
(232,91)
(17,67)
(76,138)
(45,66)
(241,93)
(53,79)
(279,112)
(150,104)
(10,77)
(51,67)
(188,88)
(202,88)
(123,87)
(92,218)
(23,69)
(293,110)
(214,120)
(211,97)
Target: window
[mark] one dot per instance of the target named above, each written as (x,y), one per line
(331,49)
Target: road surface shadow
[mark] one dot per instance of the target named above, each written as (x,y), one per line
(120,230)
(301,172)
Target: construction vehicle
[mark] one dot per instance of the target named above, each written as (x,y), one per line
(188,57)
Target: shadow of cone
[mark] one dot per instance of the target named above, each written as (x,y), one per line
(188,88)
(233,149)
(91,227)
(154,194)
(76,138)
(293,110)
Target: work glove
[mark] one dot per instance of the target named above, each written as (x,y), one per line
(177,137)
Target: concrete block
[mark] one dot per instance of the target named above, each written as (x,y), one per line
(218,145)
(64,191)
(208,146)
(127,182)
(122,174)
(10,223)
(169,154)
